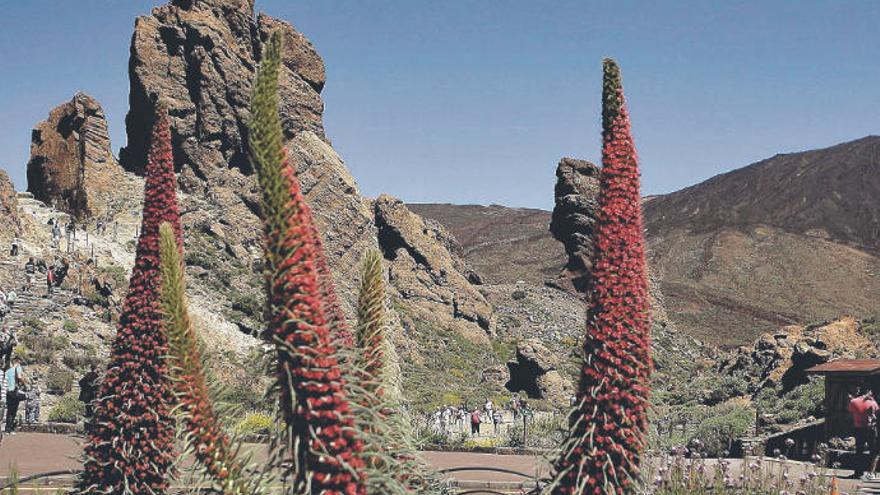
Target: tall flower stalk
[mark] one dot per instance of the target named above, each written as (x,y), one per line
(129,440)
(609,425)
(213,450)
(392,464)
(318,437)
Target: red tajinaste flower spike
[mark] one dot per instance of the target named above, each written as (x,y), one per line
(214,451)
(129,440)
(319,436)
(613,391)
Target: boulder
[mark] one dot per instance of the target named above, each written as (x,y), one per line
(427,275)
(71,164)
(573,219)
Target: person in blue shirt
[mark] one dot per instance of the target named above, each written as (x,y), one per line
(14,381)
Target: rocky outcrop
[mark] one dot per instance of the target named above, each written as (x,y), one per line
(573,220)
(71,164)
(10,224)
(780,359)
(198,57)
(428,277)
(535,371)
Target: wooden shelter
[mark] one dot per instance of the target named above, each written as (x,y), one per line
(845,377)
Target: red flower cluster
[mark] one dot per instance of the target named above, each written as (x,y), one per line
(340,332)
(610,423)
(130,438)
(309,371)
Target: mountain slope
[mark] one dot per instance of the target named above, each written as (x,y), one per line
(504,245)
(790,239)
(793,239)
(829,193)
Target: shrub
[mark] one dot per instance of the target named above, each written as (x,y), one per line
(69,326)
(248,304)
(59,380)
(255,423)
(68,410)
(518,295)
(39,347)
(80,360)
(724,424)
(34,323)
(245,395)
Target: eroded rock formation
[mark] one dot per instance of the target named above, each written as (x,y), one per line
(780,358)
(199,57)
(535,371)
(10,224)
(71,164)
(572,223)
(430,278)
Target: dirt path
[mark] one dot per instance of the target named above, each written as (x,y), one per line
(31,453)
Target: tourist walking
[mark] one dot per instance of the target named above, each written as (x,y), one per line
(475,422)
(50,280)
(88,388)
(863,409)
(14,395)
(497,419)
(30,271)
(7,346)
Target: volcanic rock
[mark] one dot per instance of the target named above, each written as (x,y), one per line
(426,274)
(71,165)
(199,58)
(10,224)
(781,358)
(535,371)
(574,218)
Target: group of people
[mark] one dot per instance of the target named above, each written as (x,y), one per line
(448,417)
(16,388)
(56,271)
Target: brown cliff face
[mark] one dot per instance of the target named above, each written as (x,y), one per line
(10,224)
(429,278)
(71,164)
(573,220)
(199,57)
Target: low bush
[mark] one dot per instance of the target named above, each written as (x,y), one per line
(518,295)
(724,424)
(70,326)
(59,380)
(254,423)
(38,347)
(80,361)
(68,410)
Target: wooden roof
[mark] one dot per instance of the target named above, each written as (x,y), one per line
(847,366)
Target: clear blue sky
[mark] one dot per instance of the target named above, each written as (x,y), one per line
(475,101)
